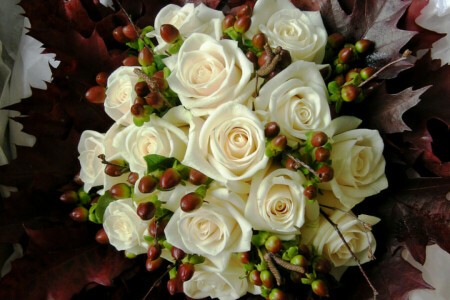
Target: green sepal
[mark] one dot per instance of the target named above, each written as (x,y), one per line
(134,44)
(92,217)
(196,259)
(292,251)
(149,239)
(139,121)
(166,245)
(334,87)
(262,266)
(249,267)
(183,170)
(150,70)
(175,47)
(129,255)
(84,197)
(259,239)
(158,162)
(285,256)
(158,59)
(167,73)
(265,291)
(201,191)
(307,281)
(232,33)
(338,106)
(173,273)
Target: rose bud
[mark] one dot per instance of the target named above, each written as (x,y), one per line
(169,179)
(153,265)
(318,139)
(259,40)
(190,202)
(96,94)
(228,21)
(69,197)
(79,214)
(146,210)
(197,177)
(118,35)
(120,191)
(169,33)
(147,184)
(131,61)
(101,237)
(242,24)
(129,32)
(102,78)
(145,57)
(325,173)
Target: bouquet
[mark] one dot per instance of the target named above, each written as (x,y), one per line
(243,147)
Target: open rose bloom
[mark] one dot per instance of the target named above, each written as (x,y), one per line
(213,120)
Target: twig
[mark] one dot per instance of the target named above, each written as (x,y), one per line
(157,282)
(273,268)
(286,265)
(375,292)
(364,225)
(123,170)
(299,163)
(404,56)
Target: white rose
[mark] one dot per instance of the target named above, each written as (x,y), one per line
(301,33)
(215,230)
(358,162)
(276,203)
(328,243)
(167,136)
(230,146)
(188,20)
(90,147)
(124,228)
(207,73)
(120,94)
(225,285)
(297,100)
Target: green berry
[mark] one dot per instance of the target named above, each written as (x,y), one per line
(299,260)
(267,279)
(255,278)
(320,288)
(273,244)
(350,92)
(363,46)
(367,72)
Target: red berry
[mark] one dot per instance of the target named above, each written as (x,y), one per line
(291,164)
(244,10)
(367,72)
(79,214)
(346,55)
(339,79)
(259,40)
(177,253)
(186,271)
(285,58)
(272,74)
(95,200)
(153,265)
(320,288)
(139,100)
(299,260)
(336,40)
(363,46)
(145,57)
(172,286)
(277,294)
(120,191)
(322,265)
(132,178)
(322,154)
(118,35)
(129,32)
(102,78)
(130,61)
(101,237)
(146,210)
(169,179)
(141,88)
(96,94)
(267,279)
(263,58)
(147,184)
(273,244)
(197,177)
(228,21)
(319,139)
(156,228)
(255,278)
(161,82)
(77,179)
(190,202)
(69,197)
(272,130)
(251,57)
(279,142)
(350,92)
(169,33)
(155,100)
(242,24)
(137,110)
(310,192)
(154,251)
(244,257)
(304,250)
(325,173)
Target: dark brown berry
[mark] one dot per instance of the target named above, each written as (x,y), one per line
(197,177)
(186,271)
(96,94)
(259,40)
(69,197)
(130,61)
(322,154)
(155,100)
(169,179)
(169,33)
(228,21)
(118,35)
(263,58)
(325,173)
(154,251)
(129,32)
(190,202)
(310,192)
(153,265)
(251,57)
(147,184)
(137,110)
(156,228)
(242,24)
(345,55)
(272,130)
(336,40)
(318,139)
(133,177)
(102,78)
(291,164)
(101,237)
(79,214)
(146,210)
(285,58)
(244,10)
(141,88)
(177,253)
(322,265)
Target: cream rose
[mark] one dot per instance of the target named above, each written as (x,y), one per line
(328,243)
(297,100)
(230,146)
(301,33)
(215,230)
(125,229)
(167,136)
(358,162)
(207,73)
(90,147)
(276,202)
(120,94)
(188,20)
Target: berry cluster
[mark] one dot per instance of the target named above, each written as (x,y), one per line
(348,70)
(271,261)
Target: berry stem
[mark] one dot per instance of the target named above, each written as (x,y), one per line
(364,225)
(335,226)
(404,56)
(158,281)
(299,163)
(123,169)
(287,265)
(268,258)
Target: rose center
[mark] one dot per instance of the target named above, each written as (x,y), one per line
(123,230)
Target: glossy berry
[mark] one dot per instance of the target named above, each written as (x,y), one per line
(310,192)
(322,265)
(118,35)
(272,74)
(291,164)
(299,260)
(322,154)
(102,78)
(255,278)
(147,184)
(132,178)
(96,94)
(141,88)
(156,228)
(129,32)
(120,191)
(263,58)
(190,202)
(318,139)
(244,10)
(325,173)
(69,197)
(340,79)
(137,110)
(154,251)
(161,82)
(320,288)
(336,40)
(244,257)
(228,22)
(273,244)
(186,271)
(350,92)
(242,24)
(277,294)
(130,61)
(155,100)
(367,72)
(272,129)
(259,40)
(177,253)
(172,286)
(169,179)
(169,33)
(251,57)
(153,265)
(101,237)
(345,55)
(115,170)
(304,250)
(197,177)
(363,46)
(146,210)
(285,58)
(145,57)
(267,278)
(352,74)
(279,142)
(79,214)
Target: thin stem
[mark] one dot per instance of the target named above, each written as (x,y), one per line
(287,265)
(364,225)
(156,283)
(335,226)
(123,169)
(404,56)
(268,258)
(299,163)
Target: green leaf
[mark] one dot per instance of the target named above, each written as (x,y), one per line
(102,204)
(134,44)
(158,59)
(92,217)
(155,162)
